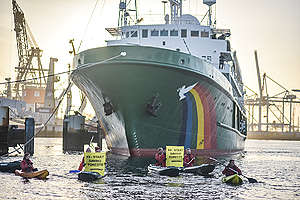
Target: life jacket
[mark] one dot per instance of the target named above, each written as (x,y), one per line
(26,166)
(160,159)
(228,172)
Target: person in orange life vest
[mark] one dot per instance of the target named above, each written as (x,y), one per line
(189,158)
(82,164)
(160,158)
(228,172)
(26,164)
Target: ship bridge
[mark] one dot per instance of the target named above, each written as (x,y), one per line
(185,34)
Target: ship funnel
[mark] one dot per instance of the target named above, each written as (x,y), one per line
(209,2)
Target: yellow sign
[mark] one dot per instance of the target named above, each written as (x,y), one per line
(95,162)
(174,156)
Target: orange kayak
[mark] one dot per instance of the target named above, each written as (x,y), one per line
(39,174)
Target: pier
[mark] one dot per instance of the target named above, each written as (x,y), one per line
(76,133)
(12,136)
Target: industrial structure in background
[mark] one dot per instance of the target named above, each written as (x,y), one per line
(29,106)
(34,85)
(272,116)
(27,51)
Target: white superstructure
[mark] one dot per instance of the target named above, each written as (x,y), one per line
(184,33)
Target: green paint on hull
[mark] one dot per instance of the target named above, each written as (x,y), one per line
(131,82)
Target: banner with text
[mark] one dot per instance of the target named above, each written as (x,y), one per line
(95,162)
(174,156)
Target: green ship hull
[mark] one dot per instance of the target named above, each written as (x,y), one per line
(153,97)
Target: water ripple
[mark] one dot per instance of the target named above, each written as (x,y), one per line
(274,164)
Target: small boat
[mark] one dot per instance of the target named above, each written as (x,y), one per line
(10,166)
(89,176)
(203,169)
(233,180)
(164,171)
(38,174)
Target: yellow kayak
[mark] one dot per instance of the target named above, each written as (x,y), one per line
(233,180)
(39,174)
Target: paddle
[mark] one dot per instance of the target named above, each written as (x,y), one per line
(190,161)
(74,171)
(251,180)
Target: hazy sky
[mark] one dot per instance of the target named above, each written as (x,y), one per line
(270,26)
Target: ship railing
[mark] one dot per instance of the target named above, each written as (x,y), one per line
(184,22)
(221,31)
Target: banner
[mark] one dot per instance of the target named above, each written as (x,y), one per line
(174,156)
(95,162)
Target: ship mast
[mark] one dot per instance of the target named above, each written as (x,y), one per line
(125,7)
(176,9)
(209,3)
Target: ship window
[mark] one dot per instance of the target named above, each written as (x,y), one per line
(183,33)
(209,58)
(154,33)
(133,34)
(173,33)
(144,33)
(127,34)
(204,57)
(204,34)
(182,61)
(195,33)
(164,32)
(164,43)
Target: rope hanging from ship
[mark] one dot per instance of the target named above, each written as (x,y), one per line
(50,117)
(87,65)
(56,108)
(87,25)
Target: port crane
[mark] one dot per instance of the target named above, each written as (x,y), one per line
(27,51)
(276,112)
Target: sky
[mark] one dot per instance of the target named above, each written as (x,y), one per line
(272,27)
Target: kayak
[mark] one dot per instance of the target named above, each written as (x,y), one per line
(203,169)
(89,176)
(164,171)
(233,180)
(10,166)
(39,174)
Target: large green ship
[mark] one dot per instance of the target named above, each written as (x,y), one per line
(177,83)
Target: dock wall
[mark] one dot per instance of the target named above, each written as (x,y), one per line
(273,135)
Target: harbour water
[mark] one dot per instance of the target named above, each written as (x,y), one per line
(275,164)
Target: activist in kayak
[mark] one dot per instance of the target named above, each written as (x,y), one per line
(26,164)
(160,157)
(231,169)
(189,158)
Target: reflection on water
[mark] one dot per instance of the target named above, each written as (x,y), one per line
(275,164)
